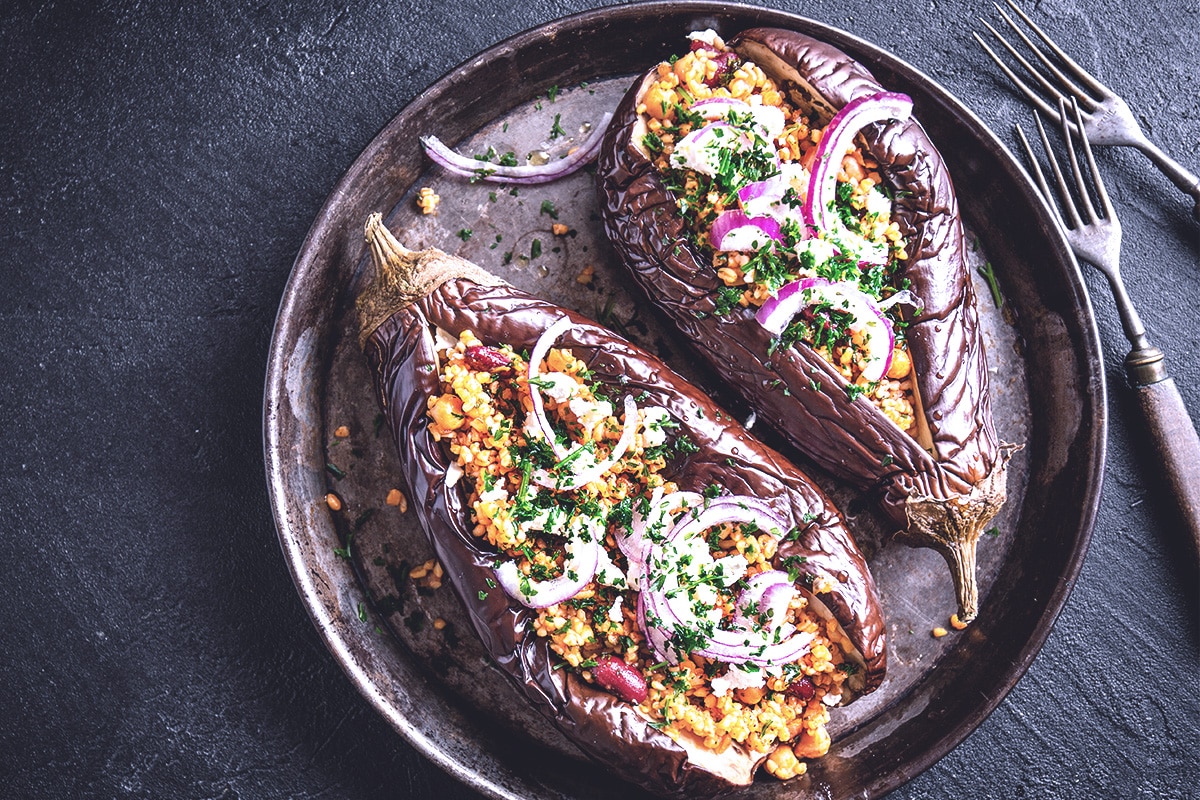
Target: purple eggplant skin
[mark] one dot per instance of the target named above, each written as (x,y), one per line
(939,495)
(411,295)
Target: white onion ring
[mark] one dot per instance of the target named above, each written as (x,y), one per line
(522,175)
(868,319)
(584,477)
(540,349)
(582,559)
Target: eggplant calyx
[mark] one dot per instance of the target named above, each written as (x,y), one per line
(952,526)
(402,276)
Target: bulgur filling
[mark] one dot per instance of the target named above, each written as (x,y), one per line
(670,599)
(739,152)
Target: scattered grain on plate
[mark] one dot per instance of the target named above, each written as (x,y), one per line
(585,275)
(957,623)
(439,623)
(939,632)
(333,501)
(558,229)
(427,201)
(395,497)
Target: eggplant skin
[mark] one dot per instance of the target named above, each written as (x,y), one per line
(797,391)
(400,352)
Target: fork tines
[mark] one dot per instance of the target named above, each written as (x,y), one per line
(1074,220)
(1084,88)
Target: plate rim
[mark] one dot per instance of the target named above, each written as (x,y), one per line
(275,400)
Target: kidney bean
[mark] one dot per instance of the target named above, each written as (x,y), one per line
(620,678)
(802,688)
(482,358)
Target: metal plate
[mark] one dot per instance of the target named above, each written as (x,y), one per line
(434,683)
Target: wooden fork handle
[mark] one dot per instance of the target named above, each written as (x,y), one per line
(1178,448)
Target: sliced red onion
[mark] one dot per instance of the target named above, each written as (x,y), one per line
(869,321)
(840,133)
(769,593)
(757,198)
(733,230)
(726,510)
(540,349)
(583,477)
(523,175)
(661,616)
(579,567)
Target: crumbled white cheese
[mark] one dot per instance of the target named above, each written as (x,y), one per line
(733,568)
(708,36)
(609,574)
(614,613)
(454,472)
(590,413)
(562,387)
(736,678)
(878,202)
(653,431)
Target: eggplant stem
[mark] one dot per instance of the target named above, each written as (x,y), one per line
(952,526)
(403,276)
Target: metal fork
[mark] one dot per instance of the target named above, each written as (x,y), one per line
(1106,118)
(1097,240)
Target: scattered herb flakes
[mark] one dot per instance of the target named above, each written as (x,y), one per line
(556,130)
(362,611)
(535,249)
(548,208)
(335,470)
(993,531)
(482,594)
(344,552)
(491,197)
(886,461)
(464,233)
(989,274)
(552,93)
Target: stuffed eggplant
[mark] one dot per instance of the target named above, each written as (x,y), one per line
(796,223)
(682,602)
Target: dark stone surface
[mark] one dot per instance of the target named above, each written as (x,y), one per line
(158,171)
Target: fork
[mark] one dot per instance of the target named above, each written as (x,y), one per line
(1097,240)
(1106,118)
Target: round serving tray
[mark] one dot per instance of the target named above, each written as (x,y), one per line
(406,645)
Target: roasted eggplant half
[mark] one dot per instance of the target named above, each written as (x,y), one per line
(675,596)
(793,219)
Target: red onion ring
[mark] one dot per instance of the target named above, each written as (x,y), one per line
(733,230)
(522,175)
(838,136)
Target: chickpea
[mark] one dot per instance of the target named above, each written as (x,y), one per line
(812,744)
(901,365)
(656,103)
(447,412)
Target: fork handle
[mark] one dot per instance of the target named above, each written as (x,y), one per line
(1174,437)
(1178,174)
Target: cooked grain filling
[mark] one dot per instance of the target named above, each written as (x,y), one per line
(750,277)
(483,417)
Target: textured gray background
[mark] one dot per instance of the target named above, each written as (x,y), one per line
(158,172)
